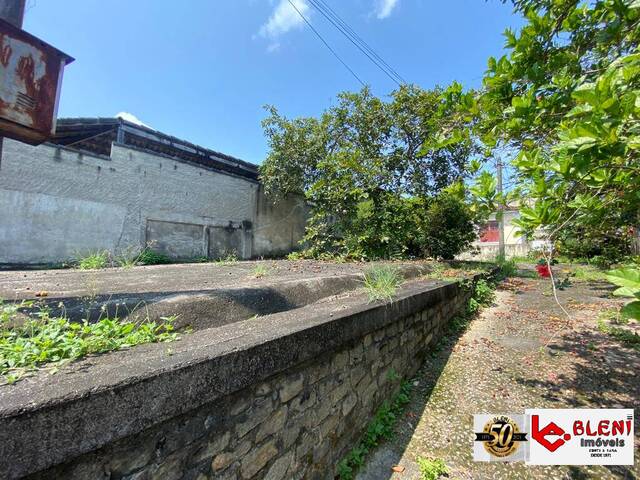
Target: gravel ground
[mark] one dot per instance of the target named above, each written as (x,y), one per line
(520,353)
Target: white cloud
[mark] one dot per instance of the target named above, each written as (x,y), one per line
(273,47)
(384,8)
(130,117)
(284,18)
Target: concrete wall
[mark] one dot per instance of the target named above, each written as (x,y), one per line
(283,398)
(279,225)
(57,204)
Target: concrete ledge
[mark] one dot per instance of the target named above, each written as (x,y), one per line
(212,307)
(46,420)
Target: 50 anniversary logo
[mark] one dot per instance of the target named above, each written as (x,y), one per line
(557,437)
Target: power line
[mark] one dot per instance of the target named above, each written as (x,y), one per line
(354,38)
(326,44)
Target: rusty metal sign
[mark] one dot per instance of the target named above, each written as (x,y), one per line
(30,80)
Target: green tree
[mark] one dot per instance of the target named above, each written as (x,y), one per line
(567,98)
(368,167)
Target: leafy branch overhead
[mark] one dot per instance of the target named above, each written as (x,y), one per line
(567,99)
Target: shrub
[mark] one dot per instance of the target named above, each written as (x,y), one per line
(447,228)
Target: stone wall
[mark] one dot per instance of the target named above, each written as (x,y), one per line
(322,376)
(58,203)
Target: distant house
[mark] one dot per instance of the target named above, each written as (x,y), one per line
(486,247)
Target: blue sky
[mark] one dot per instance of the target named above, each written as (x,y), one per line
(203,69)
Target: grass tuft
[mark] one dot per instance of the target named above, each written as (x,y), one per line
(381,282)
(94,261)
(623,335)
(260,271)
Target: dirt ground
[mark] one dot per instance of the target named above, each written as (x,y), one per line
(520,353)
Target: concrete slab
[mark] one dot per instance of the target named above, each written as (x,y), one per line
(200,295)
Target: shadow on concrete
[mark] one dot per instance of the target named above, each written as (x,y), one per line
(194,308)
(609,370)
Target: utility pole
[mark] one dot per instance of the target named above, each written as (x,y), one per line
(500,214)
(11,11)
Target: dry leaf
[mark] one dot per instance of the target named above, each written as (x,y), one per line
(398,468)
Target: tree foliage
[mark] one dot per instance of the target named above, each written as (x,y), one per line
(370,168)
(567,98)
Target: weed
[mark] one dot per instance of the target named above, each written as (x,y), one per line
(484,293)
(43,339)
(432,469)
(382,282)
(627,337)
(588,273)
(227,257)
(298,255)
(94,260)
(152,257)
(613,315)
(436,270)
(260,270)
(381,427)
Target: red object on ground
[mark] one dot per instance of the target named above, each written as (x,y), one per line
(543,270)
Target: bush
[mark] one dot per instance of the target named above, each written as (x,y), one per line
(601,250)
(447,228)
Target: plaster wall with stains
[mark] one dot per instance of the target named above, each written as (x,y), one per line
(57,204)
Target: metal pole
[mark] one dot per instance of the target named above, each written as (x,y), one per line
(11,11)
(501,250)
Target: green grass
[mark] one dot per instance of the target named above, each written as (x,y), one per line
(431,469)
(380,428)
(151,257)
(260,270)
(42,340)
(381,282)
(587,273)
(94,261)
(623,335)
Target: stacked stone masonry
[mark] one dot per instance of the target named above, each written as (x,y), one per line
(296,424)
